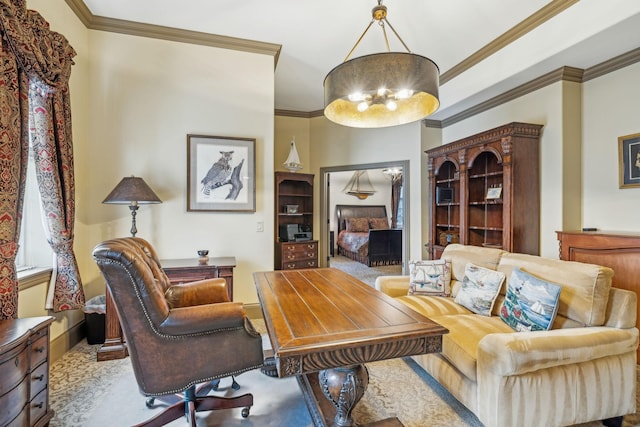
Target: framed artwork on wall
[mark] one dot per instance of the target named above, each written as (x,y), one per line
(221,173)
(629,160)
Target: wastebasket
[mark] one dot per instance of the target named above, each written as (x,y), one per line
(94,318)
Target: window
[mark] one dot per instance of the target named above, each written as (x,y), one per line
(34,250)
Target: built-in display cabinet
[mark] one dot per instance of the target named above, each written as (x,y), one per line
(485,190)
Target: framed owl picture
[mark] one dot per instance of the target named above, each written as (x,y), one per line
(221,173)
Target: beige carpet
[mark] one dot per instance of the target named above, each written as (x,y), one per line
(362,271)
(84,392)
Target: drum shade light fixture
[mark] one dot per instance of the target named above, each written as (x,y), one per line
(382,89)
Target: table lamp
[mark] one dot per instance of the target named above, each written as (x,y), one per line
(132,191)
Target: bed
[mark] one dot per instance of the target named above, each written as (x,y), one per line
(364,235)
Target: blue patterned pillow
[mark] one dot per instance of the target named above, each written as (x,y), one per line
(430,278)
(531,303)
(479,289)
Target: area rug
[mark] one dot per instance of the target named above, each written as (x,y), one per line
(84,392)
(363,272)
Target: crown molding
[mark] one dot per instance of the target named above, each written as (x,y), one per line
(299,114)
(611,65)
(540,17)
(120,26)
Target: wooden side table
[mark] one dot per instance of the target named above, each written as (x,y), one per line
(178,271)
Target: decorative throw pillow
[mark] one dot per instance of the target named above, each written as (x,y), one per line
(358,225)
(430,277)
(479,289)
(531,303)
(379,223)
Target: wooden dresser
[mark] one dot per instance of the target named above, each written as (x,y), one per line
(617,250)
(296,255)
(24,372)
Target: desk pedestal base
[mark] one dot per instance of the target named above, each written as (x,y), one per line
(331,395)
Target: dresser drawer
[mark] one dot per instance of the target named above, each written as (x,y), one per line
(39,350)
(38,406)
(39,379)
(309,263)
(300,251)
(13,402)
(13,368)
(22,419)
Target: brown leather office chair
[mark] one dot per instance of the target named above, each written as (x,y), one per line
(177,336)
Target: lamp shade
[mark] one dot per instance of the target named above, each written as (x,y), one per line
(132,191)
(382,89)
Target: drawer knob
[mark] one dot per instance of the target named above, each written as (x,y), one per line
(17,362)
(38,405)
(39,349)
(39,377)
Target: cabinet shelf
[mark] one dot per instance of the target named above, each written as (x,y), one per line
(294,247)
(505,157)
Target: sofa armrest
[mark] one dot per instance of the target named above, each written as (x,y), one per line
(394,286)
(521,352)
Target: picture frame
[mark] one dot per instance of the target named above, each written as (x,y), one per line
(494,193)
(629,160)
(221,174)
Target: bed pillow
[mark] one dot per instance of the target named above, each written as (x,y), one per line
(430,277)
(479,289)
(357,225)
(531,303)
(379,223)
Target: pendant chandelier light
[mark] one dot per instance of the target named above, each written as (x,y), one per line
(382,89)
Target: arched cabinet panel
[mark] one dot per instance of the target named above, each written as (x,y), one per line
(485,190)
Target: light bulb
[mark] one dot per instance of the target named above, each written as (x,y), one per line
(356,97)
(404,94)
(363,106)
(391,105)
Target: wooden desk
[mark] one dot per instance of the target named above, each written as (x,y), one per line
(325,324)
(617,250)
(178,271)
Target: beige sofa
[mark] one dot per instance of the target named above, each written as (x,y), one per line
(583,369)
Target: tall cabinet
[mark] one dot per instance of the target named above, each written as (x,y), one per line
(485,190)
(294,246)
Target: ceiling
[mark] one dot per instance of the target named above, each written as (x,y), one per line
(482,47)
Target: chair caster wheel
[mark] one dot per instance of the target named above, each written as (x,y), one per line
(150,401)
(245,411)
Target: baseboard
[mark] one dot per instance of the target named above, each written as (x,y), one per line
(66,341)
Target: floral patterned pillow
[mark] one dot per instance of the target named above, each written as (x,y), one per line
(357,225)
(480,288)
(379,223)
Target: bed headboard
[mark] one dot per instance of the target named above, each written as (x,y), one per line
(358,211)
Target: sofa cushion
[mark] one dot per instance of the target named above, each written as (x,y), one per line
(460,255)
(431,277)
(585,287)
(432,307)
(460,345)
(479,289)
(531,303)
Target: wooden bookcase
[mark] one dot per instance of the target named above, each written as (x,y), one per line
(294,189)
(485,190)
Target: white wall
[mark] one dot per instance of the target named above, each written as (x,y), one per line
(147,95)
(334,145)
(610,111)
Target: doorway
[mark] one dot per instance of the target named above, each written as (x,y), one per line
(327,205)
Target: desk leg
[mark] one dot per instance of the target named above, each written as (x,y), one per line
(332,394)
(114,346)
(344,387)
